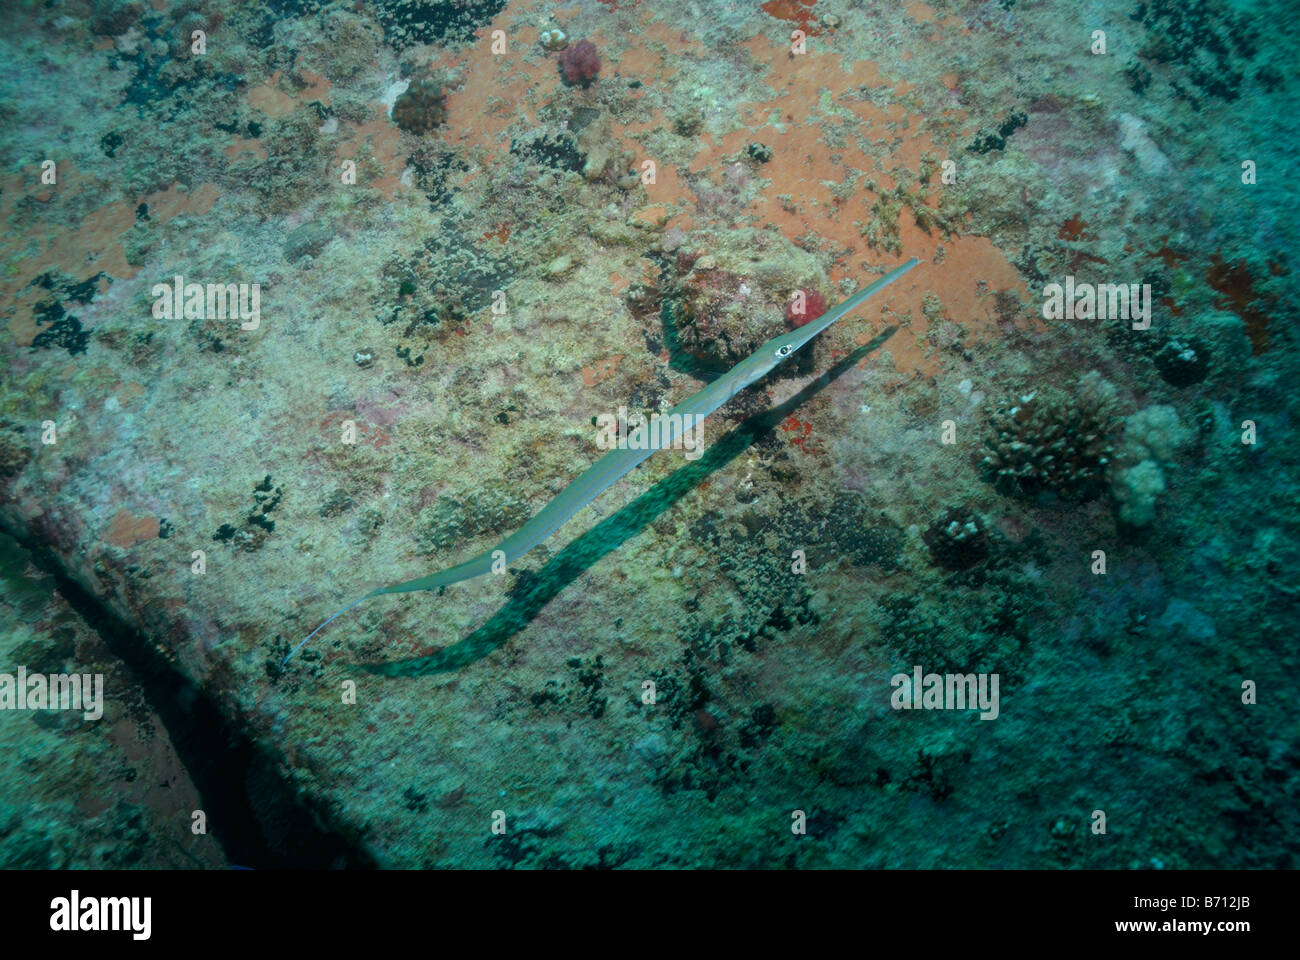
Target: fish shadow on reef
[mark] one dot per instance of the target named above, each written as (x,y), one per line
(533,593)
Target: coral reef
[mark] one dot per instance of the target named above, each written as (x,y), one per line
(463,262)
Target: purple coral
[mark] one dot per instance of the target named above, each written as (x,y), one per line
(580,63)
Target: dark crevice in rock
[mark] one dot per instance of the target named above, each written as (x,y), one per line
(255,814)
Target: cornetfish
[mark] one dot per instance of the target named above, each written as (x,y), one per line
(617,463)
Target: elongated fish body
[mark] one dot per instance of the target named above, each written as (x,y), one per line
(618,463)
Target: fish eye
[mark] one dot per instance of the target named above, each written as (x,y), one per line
(784,351)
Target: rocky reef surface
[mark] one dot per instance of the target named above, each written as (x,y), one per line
(470,235)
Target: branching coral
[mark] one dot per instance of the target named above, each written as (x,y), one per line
(1048,443)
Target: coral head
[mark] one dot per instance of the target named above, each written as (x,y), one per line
(580,63)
